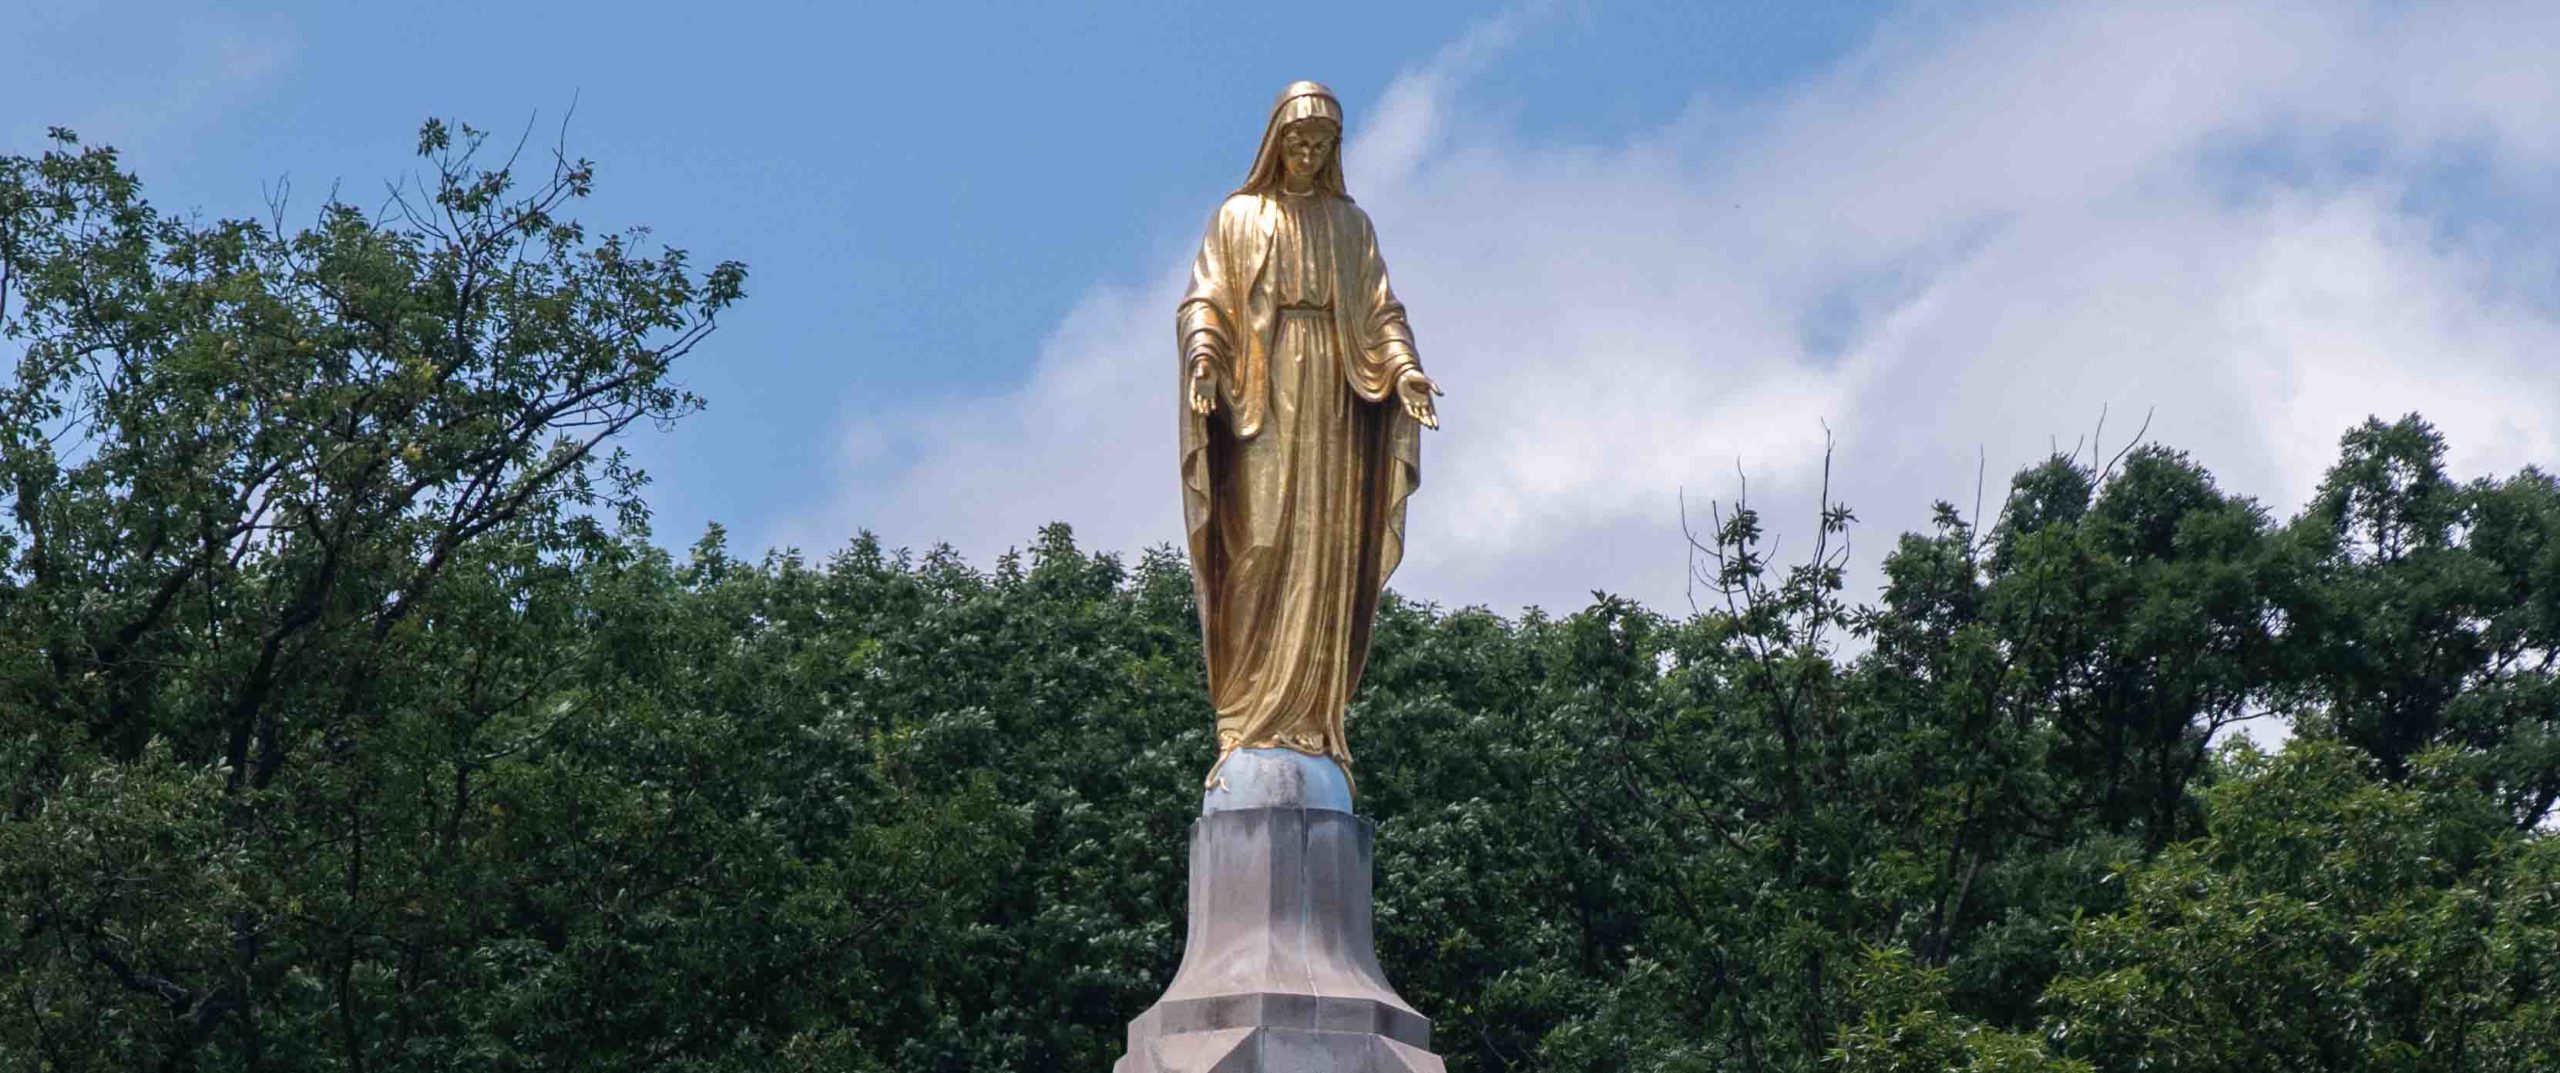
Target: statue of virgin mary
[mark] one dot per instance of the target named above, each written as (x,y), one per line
(1303,404)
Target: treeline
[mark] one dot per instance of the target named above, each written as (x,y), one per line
(349,720)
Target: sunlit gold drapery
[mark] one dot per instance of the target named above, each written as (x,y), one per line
(1294,485)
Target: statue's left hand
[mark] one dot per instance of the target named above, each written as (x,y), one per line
(1415,390)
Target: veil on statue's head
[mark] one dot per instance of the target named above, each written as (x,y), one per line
(1302,100)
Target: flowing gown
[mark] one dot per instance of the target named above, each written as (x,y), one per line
(1295,484)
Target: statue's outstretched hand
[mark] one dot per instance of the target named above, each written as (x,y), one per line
(1415,390)
(1204,388)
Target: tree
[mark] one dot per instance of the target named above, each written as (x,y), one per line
(240,466)
(2328,921)
(2429,613)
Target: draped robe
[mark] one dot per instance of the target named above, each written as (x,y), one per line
(1293,486)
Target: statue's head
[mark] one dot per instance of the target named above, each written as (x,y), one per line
(1306,146)
(1301,148)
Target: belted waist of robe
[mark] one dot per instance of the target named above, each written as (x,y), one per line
(1304,308)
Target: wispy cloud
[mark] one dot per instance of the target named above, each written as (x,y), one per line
(2257,224)
(131,75)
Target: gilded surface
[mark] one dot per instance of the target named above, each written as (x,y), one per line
(1302,407)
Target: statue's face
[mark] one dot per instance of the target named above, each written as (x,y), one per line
(1304,148)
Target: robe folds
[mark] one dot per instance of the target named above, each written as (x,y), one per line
(1294,485)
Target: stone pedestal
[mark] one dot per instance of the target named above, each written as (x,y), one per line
(1279,971)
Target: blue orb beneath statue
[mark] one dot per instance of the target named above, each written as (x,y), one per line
(1277,778)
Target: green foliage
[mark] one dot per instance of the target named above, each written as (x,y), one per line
(2328,921)
(349,719)
(2429,614)
(1904,1025)
(290,520)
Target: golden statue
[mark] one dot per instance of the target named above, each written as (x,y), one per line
(1303,404)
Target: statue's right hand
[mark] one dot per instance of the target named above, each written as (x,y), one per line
(1204,388)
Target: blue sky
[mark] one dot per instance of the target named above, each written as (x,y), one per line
(1647,246)
(921,191)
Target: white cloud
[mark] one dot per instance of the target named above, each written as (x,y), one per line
(1963,242)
